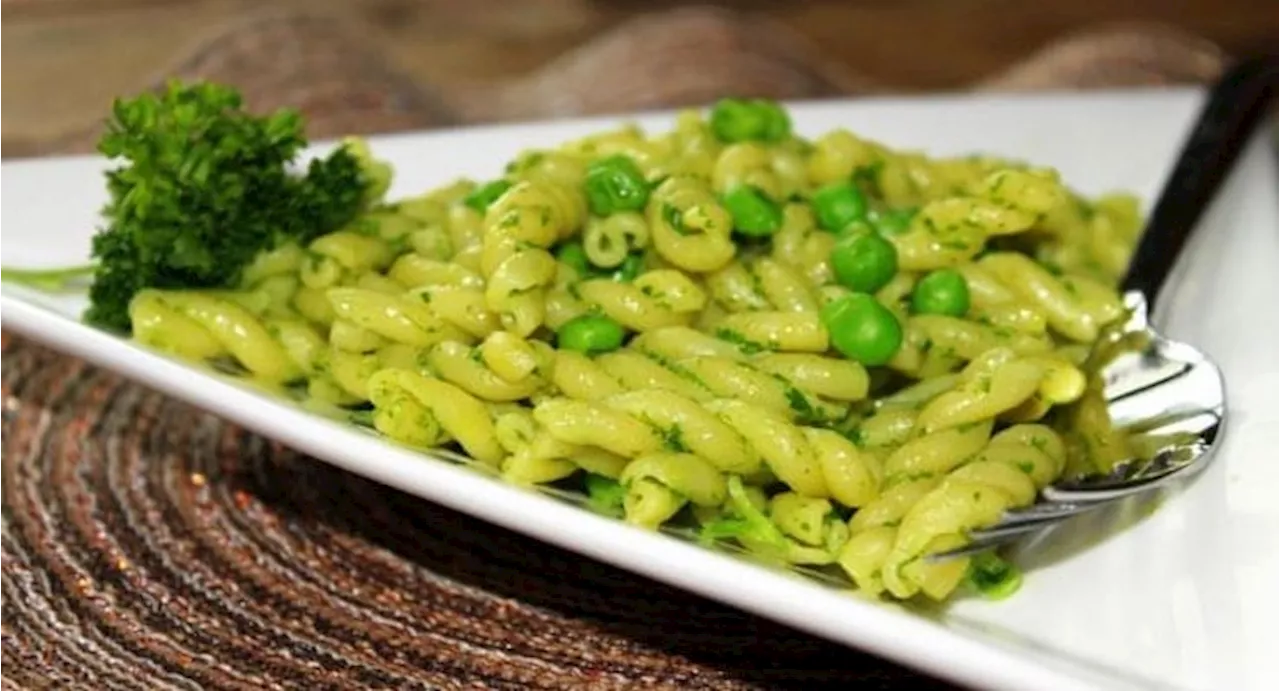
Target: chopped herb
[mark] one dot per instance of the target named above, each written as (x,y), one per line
(993,577)
(806,414)
(868,178)
(605,495)
(525,163)
(675,368)
(486,194)
(630,269)
(673,439)
(746,524)
(674,218)
(361,418)
(745,345)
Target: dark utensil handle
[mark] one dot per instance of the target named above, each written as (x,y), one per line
(1233,108)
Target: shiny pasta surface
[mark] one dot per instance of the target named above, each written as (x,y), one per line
(743,402)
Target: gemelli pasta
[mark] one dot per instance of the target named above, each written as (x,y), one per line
(825,352)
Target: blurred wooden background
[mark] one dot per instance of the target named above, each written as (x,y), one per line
(63,59)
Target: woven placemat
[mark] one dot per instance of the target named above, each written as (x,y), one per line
(147,544)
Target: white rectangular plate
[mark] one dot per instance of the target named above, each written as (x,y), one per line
(1185,598)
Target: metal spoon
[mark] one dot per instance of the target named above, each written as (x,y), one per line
(1166,396)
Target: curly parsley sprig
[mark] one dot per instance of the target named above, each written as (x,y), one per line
(203,187)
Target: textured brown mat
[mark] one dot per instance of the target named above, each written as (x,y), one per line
(147,544)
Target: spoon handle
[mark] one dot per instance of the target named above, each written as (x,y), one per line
(1233,108)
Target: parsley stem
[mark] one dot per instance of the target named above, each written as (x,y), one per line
(54,280)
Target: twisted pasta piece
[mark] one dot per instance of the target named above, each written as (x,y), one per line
(1073,306)
(760,285)
(463,307)
(950,231)
(466,229)
(801,387)
(949,475)
(833,378)
(433,206)
(658,298)
(333,260)
(518,228)
(397,318)
(562,168)
(654,156)
(202,327)
(609,241)
(689,228)
(838,154)
(934,344)
(801,332)
(1095,240)
(423,411)
(659,484)
(533,457)
(774,170)
(814,530)
(993,384)
(1007,474)
(414,270)
(734,436)
(275,349)
(503,368)
(802,246)
(900,178)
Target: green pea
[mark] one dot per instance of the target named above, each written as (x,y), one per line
(862,329)
(571,253)
(838,204)
(486,194)
(615,184)
(864,262)
(590,334)
(941,292)
(629,269)
(743,120)
(894,221)
(777,124)
(753,213)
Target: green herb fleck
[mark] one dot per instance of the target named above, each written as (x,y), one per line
(673,439)
(605,495)
(744,344)
(993,577)
(674,218)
